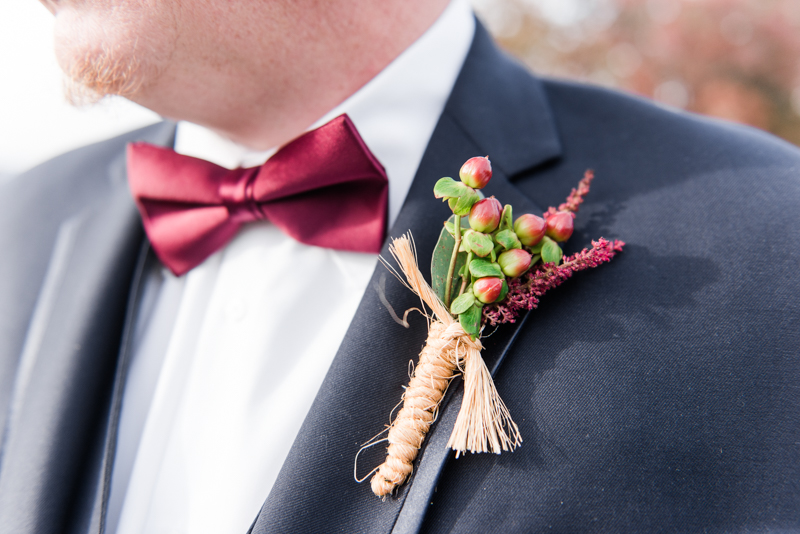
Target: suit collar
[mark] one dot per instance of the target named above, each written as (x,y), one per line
(497,109)
(502,109)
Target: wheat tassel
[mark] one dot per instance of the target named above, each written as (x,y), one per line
(483,423)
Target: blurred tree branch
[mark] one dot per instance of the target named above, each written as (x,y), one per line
(734,59)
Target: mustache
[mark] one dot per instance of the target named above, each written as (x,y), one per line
(100,74)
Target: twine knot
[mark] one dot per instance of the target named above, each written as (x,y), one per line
(455,332)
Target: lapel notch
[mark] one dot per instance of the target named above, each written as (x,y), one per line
(503,109)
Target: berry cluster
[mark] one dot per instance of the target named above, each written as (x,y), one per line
(496,250)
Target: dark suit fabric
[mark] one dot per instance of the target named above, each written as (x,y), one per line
(658,393)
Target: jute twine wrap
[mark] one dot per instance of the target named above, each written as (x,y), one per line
(483,424)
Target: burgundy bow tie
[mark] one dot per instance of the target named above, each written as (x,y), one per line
(325,188)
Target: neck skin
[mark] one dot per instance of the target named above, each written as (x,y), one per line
(281,65)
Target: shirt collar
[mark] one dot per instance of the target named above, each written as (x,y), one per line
(395,112)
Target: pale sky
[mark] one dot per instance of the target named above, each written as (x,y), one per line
(35,121)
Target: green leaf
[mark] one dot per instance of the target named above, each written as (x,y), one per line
(462,303)
(480,244)
(551,252)
(448,188)
(503,292)
(450,228)
(440,263)
(537,248)
(506,220)
(507,239)
(471,320)
(463,203)
(480,268)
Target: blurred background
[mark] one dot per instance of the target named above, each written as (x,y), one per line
(734,59)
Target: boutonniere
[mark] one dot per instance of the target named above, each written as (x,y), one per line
(487,268)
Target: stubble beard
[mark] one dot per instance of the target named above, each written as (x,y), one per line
(102,73)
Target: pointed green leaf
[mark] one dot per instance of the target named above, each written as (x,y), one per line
(551,252)
(503,292)
(507,239)
(440,263)
(463,203)
(480,244)
(471,320)
(448,188)
(480,268)
(506,220)
(537,248)
(462,303)
(450,228)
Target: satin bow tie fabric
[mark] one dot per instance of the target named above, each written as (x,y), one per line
(325,188)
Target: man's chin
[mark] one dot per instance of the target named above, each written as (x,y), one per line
(78,95)
(90,79)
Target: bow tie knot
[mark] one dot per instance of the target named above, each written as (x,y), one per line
(325,189)
(236,191)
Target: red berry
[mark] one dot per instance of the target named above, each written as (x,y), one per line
(485,215)
(560,226)
(476,172)
(530,229)
(514,262)
(487,289)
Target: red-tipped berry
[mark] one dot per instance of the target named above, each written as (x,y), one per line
(514,262)
(487,289)
(476,172)
(530,229)
(485,215)
(560,226)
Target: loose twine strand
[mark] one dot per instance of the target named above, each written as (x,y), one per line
(483,423)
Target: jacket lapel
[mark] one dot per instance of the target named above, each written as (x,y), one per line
(497,109)
(68,369)
(54,433)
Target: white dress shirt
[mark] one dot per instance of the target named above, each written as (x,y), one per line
(228,358)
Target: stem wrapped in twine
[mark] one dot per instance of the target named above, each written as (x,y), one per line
(483,424)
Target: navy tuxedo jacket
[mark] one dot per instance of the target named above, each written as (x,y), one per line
(658,393)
